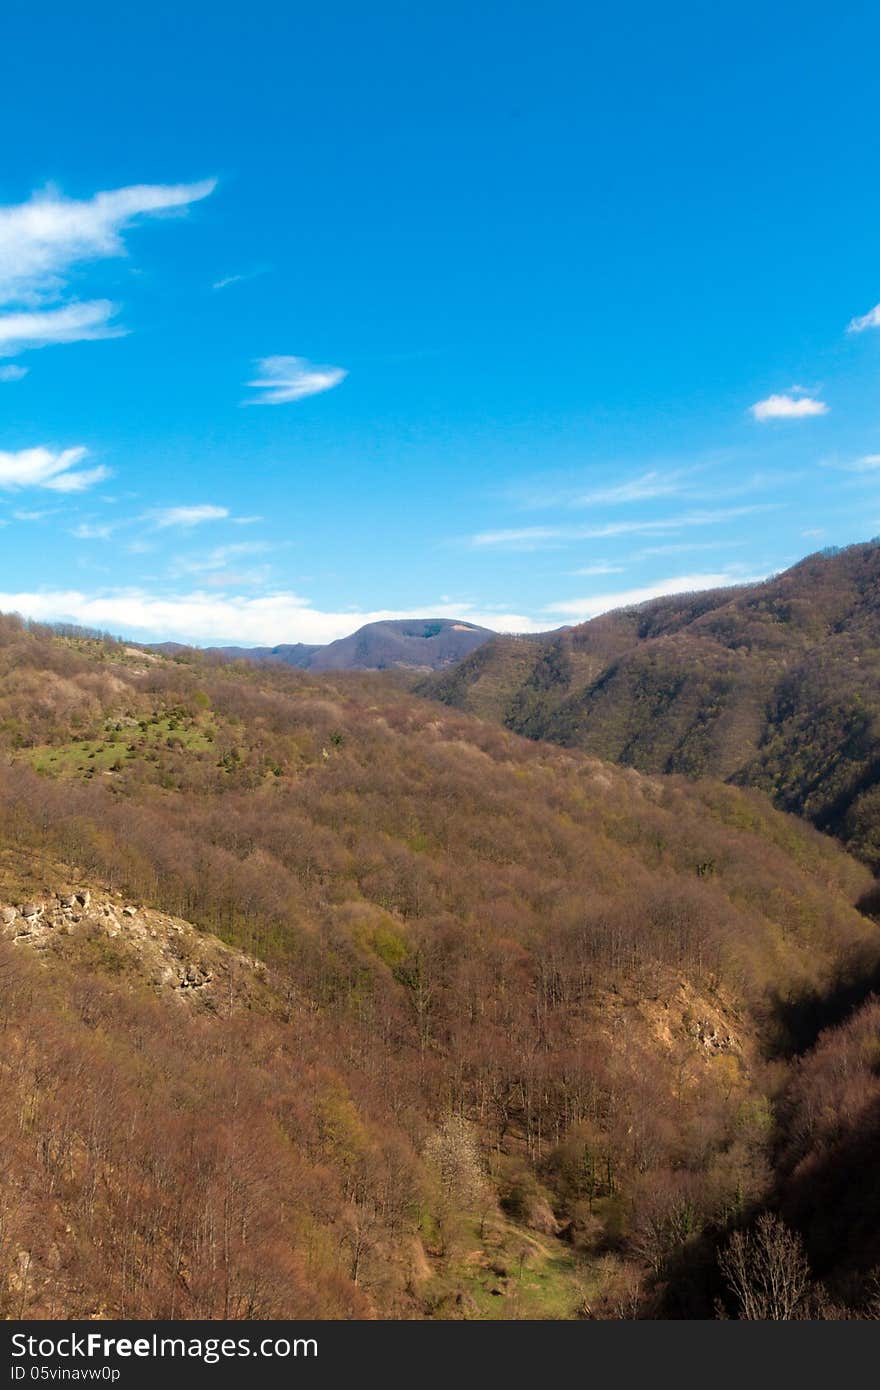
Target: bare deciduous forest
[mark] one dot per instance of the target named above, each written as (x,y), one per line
(772,685)
(321,999)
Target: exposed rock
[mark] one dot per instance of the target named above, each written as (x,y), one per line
(541,1217)
(168,952)
(712,1038)
(195,976)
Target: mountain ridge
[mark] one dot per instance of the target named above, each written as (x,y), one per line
(773,685)
(417,644)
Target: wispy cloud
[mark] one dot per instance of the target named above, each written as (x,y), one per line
(40,240)
(542,494)
(788,407)
(78,481)
(598,569)
(163,517)
(43,239)
(642,489)
(47,468)
(217,560)
(685,548)
(93,531)
(225,281)
(12,373)
(869,320)
(535,537)
(74,323)
(283,379)
(183,518)
(582,609)
(868,463)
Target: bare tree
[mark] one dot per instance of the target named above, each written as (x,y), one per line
(767,1271)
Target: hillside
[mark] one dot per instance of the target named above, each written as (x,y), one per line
(775,686)
(422,644)
(368,1008)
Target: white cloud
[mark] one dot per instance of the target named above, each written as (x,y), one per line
(12,373)
(868,463)
(43,239)
(74,323)
(78,482)
(641,489)
(685,548)
(788,408)
(222,554)
(283,379)
(533,537)
(598,569)
(582,609)
(657,482)
(210,618)
(187,516)
(869,320)
(226,280)
(216,560)
(93,531)
(47,468)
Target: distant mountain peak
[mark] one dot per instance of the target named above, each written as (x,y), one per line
(414,644)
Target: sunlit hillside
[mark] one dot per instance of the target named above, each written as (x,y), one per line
(368,1008)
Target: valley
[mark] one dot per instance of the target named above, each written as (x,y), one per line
(377,1009)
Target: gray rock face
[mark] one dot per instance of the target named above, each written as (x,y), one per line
(67,899)
(31,910)
(7,916)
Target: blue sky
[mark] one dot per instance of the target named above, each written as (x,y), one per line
(509,312)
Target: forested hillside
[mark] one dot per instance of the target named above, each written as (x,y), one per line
(319,999)
(775,686)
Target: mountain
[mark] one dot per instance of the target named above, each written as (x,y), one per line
(297,654)
(417,644)
(773,685)
(320,999)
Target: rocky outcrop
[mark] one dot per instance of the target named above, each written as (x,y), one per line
(167,952)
